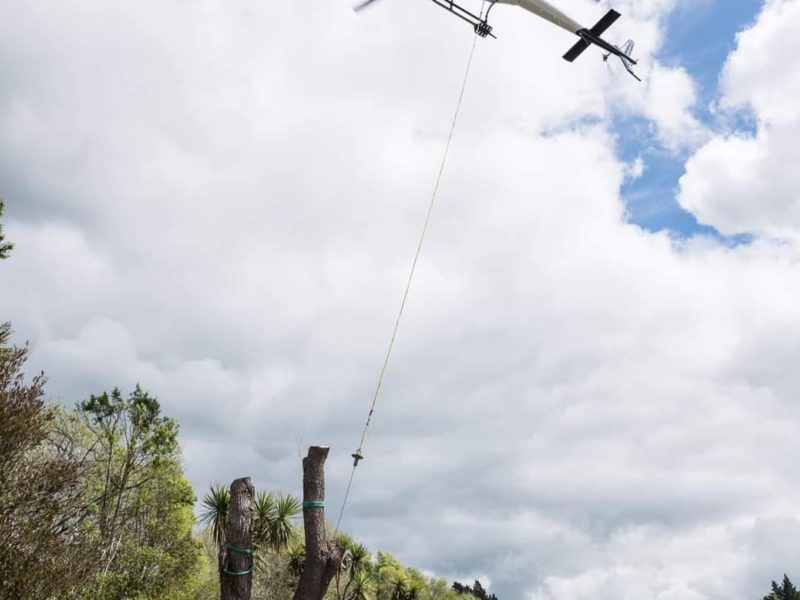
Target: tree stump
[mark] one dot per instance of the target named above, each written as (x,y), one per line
(236,578)
(323,556)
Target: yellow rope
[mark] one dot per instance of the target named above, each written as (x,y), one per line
(359,453)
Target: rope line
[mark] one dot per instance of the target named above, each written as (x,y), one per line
(358,455)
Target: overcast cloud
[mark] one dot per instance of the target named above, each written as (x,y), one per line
(220,200)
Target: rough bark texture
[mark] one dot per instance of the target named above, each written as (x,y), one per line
(238,533)
(323,556)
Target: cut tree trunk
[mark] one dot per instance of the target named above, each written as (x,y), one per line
(323,556)
(236,556)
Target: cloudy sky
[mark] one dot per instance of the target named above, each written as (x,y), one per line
(594,390)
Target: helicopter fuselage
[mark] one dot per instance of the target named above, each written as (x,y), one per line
(548,12)
(591,36)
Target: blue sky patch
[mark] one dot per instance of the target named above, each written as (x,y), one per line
(700,36)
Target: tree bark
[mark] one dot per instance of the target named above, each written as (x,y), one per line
(238,540)
(323,556)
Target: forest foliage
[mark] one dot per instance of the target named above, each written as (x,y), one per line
(783,591)
(96,506)
(5,246)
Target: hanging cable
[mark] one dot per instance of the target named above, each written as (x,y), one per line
(358,455)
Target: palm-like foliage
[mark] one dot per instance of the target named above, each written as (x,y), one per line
(265,515)
(398,586)
(282,531)
(413,591)
(297,559)
(273,527)
(362,587)
(215,512)
(359,559)
(354,578)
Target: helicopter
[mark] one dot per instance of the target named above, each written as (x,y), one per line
(541,8)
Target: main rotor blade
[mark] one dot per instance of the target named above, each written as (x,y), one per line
(363,5)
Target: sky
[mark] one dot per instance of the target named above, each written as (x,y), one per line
(593,393)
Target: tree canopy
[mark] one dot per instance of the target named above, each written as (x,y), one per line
(93,501)
(5,247)
(95,506)
(476,590)
(138,504)
(784,591)
(41,553)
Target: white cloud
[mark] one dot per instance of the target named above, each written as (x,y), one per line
(635,169)
(741,182)
(669,101)
(221,200)
(667,95)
